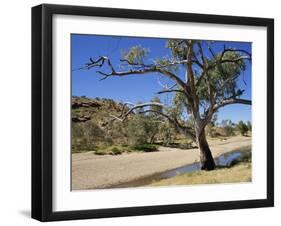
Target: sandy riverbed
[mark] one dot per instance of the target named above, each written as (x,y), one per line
(91,171)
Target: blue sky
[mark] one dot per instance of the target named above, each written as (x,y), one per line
(135,88)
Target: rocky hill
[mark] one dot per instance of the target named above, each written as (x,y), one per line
(96,109)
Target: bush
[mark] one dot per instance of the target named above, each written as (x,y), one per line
(242,128)
(167,133)
(142,129)
(145,147)
(100,152)
(86,136)
(115,151)
(109,150)
(227,128)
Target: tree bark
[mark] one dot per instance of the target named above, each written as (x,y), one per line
(206,158)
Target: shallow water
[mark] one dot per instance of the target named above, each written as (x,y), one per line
(223,160)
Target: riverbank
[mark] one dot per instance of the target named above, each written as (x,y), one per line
(239,171)
(90,171)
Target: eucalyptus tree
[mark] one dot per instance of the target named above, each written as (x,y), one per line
(204,80)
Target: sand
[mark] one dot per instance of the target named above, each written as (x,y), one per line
(91,171)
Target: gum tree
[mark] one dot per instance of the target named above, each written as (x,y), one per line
(204,80)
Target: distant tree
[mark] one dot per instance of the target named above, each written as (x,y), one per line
(167,133)
(228,127)
(142,129)
(204,78)
(139,110)
(86,135)
(249,124)
(242,128)
(210,128)
(155,109)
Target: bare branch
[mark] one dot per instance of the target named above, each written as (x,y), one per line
(135,64)
(124,115)
(117,118)
(165,86)
(148,104)
(145,70)
(212,109)
(231,101)
(98,63)
(236,60)
(236,50)
(171,91)
(159,66)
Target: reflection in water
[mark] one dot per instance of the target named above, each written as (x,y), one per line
(224,160)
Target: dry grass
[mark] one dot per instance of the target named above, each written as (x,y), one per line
(238,173)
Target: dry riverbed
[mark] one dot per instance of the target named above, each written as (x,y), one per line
(90,171)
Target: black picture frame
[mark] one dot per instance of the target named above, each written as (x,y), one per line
(42,111)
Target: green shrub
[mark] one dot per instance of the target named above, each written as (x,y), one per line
(145,147)
(242,128)
(100,152)
(142,129)
(109,150)
(115,151)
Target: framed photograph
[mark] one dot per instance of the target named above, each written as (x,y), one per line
(146,112)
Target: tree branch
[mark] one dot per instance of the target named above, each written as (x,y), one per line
(220,89)
(220,61)
(145,70)
(192,95)
(236,50)
(206,73)
(171,91)
(184,129)
(231,101)
(123,116)
(213,109)
(223,61)
(148,104)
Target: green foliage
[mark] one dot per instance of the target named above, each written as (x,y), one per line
(111,149)
(85,136)
(135,55)
(167,64)
(139,110)
(119,149)
(211,126)
(145,147)
(218,76)
(155,107)
(249,124)
(142,129)
(179,106)
(101,152)
(116,151)
(242,128)
(178,48)
(167,133)
(228,127)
